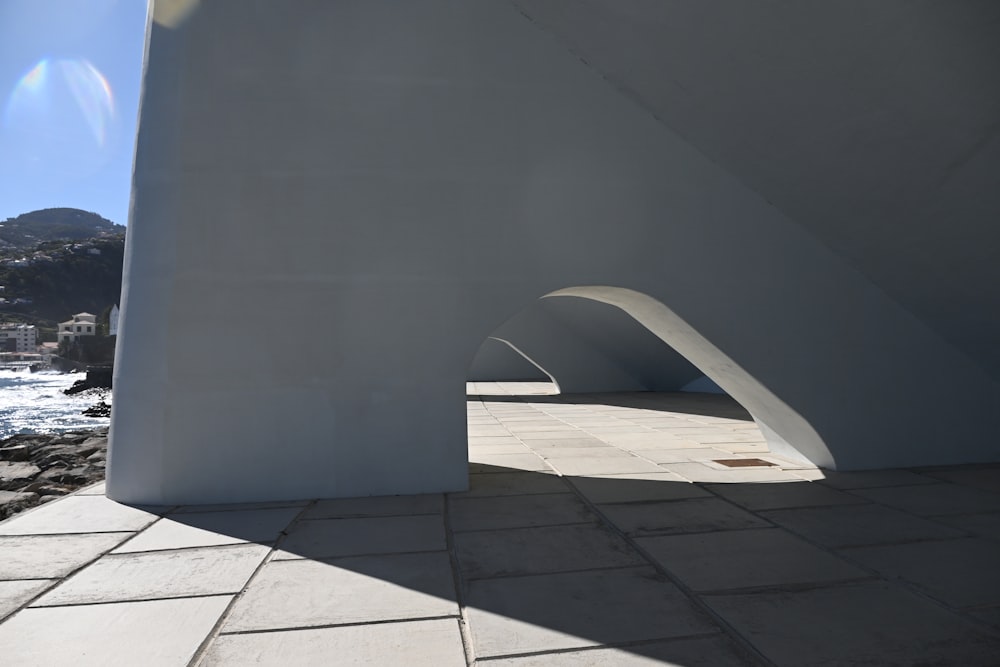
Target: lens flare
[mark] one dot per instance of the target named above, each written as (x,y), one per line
(61,110)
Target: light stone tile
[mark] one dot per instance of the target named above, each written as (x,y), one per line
(660,444)
(745,447)
(778,496)
(872,623)
(746,559)
(479,431)
(984,478)
(989,616)
(179,531)
(640,487)
(541,446)
(160,633)
(160,574)
(344,508)
(15,594)
(624,428)
(583,452)
(517,511)
(587,466)
(332,538)
(516,448)
(493,440)
(92,490)
(982,525)
(698,652)
(934,499)
(961,573)
(698,472)
(724,438)
(681,455)
(510,461)
(520,551)
(653,439)
(304,593)
(865,479)
(52,556)
(435,643)
(680,516)
(239,507)
(78,514)
(512,483)
(809,474)
(562,434)
(856,525)
(535,426)
(551,612)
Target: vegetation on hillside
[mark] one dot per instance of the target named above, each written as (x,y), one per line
(26,231)
(57,278)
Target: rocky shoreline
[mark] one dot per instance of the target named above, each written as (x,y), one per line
(38,468)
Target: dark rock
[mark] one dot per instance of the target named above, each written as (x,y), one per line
(101,409)
(15,453)
(49,466)
(12,502)
(17,473)
(46,488)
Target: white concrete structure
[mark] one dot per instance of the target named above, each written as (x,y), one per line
(113,320)
(24,337)
(799,198)
(82,324)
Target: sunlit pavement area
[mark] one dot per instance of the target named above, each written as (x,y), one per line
(598,530)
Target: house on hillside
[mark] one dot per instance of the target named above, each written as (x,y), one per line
(82,324)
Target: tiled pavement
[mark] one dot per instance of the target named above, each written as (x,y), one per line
(598,530)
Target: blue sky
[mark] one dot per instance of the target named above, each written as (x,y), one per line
(69,90)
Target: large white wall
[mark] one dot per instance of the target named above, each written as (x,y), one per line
(405,177)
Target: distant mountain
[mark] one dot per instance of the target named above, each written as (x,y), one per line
(26,231)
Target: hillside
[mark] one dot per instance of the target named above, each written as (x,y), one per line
(54,279)
(26,231)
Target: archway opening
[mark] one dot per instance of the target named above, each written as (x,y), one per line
(624,369)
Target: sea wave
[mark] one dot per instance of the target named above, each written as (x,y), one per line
(35,403)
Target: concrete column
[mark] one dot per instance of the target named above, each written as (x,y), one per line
(335,203)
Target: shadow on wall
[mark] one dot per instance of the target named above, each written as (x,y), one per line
(599,339)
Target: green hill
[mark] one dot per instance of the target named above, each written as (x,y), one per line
(26,231)
(74,265)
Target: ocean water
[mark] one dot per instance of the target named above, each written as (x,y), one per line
(35,403)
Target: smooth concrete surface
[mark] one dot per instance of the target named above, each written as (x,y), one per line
(584,346)
(809,226)
(498,360)
(534,567)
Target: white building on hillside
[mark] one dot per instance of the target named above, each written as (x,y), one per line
(18,338)
(82,324)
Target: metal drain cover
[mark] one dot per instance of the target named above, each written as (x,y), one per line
(744,463)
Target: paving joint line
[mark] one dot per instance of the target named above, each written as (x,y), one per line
(458,581)
(327,626)
(617,645)
(213,633)
(746,646)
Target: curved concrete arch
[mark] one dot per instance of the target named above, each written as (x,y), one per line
(788,433)
(589,346)
(499,360)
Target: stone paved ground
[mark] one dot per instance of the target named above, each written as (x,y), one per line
(598,530)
